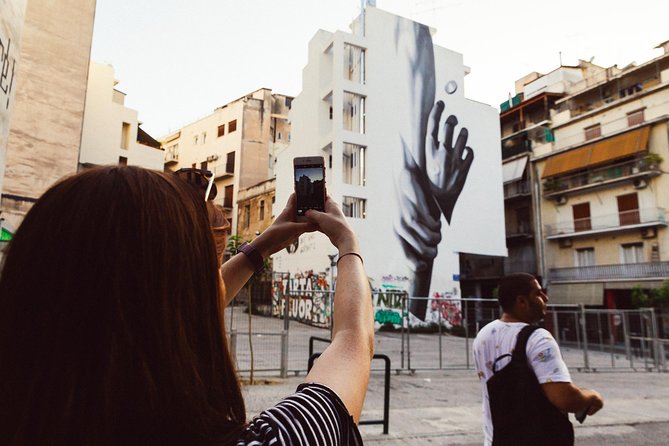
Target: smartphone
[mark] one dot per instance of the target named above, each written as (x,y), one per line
(309,184)
(580,416)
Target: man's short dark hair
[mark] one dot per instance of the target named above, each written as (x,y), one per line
(511,286)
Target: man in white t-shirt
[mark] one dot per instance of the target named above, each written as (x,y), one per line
(523,302)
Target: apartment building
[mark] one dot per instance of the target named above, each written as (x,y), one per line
(364,108)
(111,131)
(604,190)
(49,85)
(238,142)
(255,207)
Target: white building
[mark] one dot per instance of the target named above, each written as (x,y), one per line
(111,132)
(365,106)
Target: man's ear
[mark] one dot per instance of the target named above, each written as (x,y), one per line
(521,302)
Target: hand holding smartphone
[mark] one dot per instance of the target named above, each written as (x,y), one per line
(309,176)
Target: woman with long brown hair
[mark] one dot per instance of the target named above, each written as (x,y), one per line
(111,322)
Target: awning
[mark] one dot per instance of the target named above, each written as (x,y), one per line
(601,152)
(576,293)
(513,170)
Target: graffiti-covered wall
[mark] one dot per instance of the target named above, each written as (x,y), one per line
(12,13)
(415,164)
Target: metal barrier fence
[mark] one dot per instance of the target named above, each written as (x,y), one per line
(590,339)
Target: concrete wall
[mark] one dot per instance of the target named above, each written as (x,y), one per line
(12,16)
(104,117)
(45,131)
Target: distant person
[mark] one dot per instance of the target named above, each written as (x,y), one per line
(112,329)
(541,418)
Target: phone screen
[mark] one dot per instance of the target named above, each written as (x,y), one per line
(309,187)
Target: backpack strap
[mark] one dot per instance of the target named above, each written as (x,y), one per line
(519,351)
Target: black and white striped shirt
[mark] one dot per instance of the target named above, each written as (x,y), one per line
(312,416)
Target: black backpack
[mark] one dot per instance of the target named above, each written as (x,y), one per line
(521,413)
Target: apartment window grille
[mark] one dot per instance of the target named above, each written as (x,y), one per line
(585,257)
(631,253)
(354,207)
(628,209)
(227,200)
(592,132)
(247,216)
(354,164)
(635,118)
(354,112)
(232,126)
(221,130)
(354,63)
(581,213)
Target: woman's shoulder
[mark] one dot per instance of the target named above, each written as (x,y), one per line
(314,414)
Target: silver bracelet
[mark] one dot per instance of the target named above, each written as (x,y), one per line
(341,256)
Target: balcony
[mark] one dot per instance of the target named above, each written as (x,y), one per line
(626,271)
(517,189)
(522,231)
(224,170)
(599,224)
(172,155)
(637,171)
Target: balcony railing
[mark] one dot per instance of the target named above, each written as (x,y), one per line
(605,223)
(612,173)
(171,155)
(224,170)
(516,188)
(654,270)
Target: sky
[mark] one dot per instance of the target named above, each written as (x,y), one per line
(178,60)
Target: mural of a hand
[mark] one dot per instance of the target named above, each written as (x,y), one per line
(447,165)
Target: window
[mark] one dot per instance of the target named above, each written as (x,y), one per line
(204,137)
(122,161)
(628,209)
(585,257)
(247,215)
(221,130)
(125,136)
(172,152)
(593,132)
(635,118)
(354,63)
(230,162)
(330,113)
(581,214)
(227,201)
(354,207)
(232,126)
(204,165)
(261,214)
(354,112)
(196,138)
(631,253)
(278,136)
(354,164)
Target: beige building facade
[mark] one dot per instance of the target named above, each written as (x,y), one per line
(111,131)
(46,122)
(255,209)
(237,142)
(604,194)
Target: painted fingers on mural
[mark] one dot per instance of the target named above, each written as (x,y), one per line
(283,231)
(334,225)
(418,224)
(447,163)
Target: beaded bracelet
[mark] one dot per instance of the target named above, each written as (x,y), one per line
(341,256)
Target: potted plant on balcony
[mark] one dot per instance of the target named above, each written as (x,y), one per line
(552,185)
(651,161)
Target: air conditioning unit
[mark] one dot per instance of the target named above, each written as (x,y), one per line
(211,158)
(648,232)
(561,200)
(565,243)
(639,183)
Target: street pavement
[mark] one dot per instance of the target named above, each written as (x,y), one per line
(444,407)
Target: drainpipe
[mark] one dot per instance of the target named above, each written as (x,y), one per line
(538,224)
